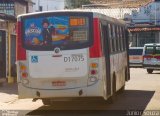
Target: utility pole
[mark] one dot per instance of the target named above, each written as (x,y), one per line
(10,78)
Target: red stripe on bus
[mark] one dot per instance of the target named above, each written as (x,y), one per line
(148,56)
(95,50)
(157,57)
(21,52)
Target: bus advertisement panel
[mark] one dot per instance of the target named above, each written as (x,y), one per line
(55,31)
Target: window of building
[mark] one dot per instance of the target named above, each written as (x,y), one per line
(7,8)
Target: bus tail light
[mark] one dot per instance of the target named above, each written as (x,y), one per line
(93,72)
(21,52)
(93,77)
(94,65)
(24,75)
(23,70)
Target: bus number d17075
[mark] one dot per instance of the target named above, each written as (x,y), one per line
(74,58)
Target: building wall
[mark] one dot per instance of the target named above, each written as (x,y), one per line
(48,5)
(147,14)
(20,9)
(112,12)
(8,27)
(30,7)
(3,25)
(9,6)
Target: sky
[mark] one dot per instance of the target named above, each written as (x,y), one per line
(49,4)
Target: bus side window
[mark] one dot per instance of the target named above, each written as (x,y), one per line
(117,38)
(157,50)
(110,38)
(116,45)
(123,39)
(120,44)
(104,39)
(114,38)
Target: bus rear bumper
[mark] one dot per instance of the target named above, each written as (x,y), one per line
(95,90)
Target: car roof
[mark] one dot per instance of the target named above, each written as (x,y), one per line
(152,44)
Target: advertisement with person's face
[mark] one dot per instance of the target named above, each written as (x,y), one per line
(60,30)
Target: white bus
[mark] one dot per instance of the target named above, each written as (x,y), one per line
(135,57)
(71,54)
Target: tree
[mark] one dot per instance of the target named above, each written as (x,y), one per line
(76,3)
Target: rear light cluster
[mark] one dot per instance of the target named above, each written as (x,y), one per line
(93,77)
(23,70)
(23,73)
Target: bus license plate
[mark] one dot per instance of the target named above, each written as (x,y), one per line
(59,83)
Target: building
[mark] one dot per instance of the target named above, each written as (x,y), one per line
(9,10)
(114,8)
(144,26)
(46,5)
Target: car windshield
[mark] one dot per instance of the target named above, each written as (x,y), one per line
(137,51)
(149,50)
(158,50)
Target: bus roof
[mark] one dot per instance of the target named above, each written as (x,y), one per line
(95,14)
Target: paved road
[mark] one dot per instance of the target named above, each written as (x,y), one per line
(142,93)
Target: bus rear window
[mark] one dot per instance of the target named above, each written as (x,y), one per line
(65,32)
(149,50)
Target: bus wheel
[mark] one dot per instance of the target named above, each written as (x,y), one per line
(149,71)
(46,101)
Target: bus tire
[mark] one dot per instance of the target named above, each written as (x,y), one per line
(149,71)
(46,101)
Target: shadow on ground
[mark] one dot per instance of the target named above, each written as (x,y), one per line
(9,88)
(155,73)
(129,100)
